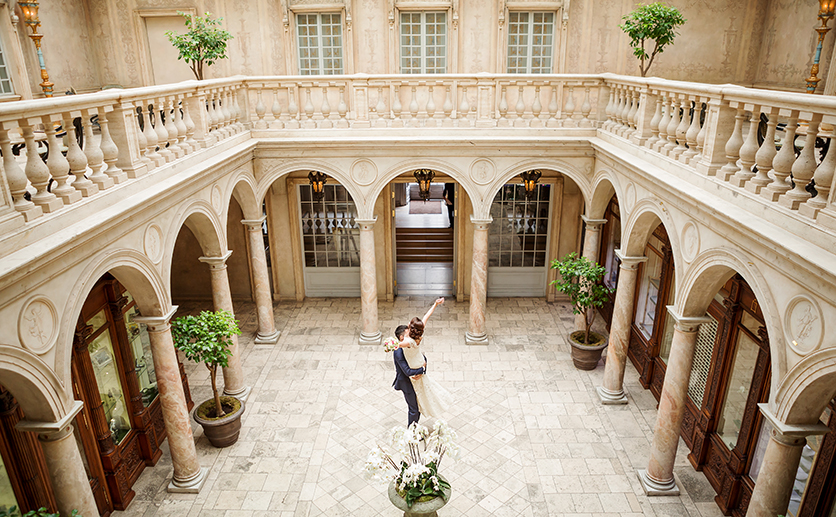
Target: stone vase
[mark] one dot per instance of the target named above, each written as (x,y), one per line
(586,357)
(423,509)
(222,432)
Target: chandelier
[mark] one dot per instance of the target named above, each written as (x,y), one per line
(530,179)
(317,180)
(424,178)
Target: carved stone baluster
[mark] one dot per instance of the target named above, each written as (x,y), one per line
(413,109)
(170,128)
(783,161)
(226,109)
(37,172)
(609,111)
(380,109)
(309,123)
(464,109)
(617,109)
(396,107)
(160,131)
(671,129)
(110,153)
(17,180)
(748,152)
(682,129)
(190,126)
(553,109)
(824,181)
(766,154)
(151,137)
(342,109)
(624,129)
(140,137)
(654,124)
(235,107)
(536,109)
(503,108)
(59,167)
(292,109)
(78,160)
(95,159)
(448,106)
(691,133)
(803,168)
(276,110)
(663,124)
(569,108)
(519,108)
(733,147)
(586,109)
(212,116)
(325,109)
(180,125)
(700,134)
(430,107)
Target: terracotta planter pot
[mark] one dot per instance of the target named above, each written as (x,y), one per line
(424,509)
(224,431)
(586,357)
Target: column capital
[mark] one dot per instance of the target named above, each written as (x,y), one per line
(157,323)
(593,223)
(790,434)
(629,262)
(481,224)
(216,262)
(52,430)
(366,224)
(686,323)
(254,223)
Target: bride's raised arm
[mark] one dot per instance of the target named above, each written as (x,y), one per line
(432,309)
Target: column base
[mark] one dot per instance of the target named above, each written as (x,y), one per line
(609,398)
(653,488)
(269,339)
(190,486)
(370,339)
(475,339)
(241,395)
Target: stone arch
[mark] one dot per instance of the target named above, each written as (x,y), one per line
(807,388)
(35,386)
(559,166)
(640,223)
(271,175)
(393,172)
(707,274)
(242,187)
(133,270)
(605,185)
(201,219)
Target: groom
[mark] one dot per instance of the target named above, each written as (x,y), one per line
(402,374)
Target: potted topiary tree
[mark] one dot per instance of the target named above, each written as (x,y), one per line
(580,280)
(205,339)
(203,43)
(655,23)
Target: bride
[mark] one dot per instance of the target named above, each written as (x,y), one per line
(433,399)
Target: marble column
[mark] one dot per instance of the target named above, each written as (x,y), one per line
(591,245)
(63,461)
(267,333)
(476,334)
(612,392)
(657,479)
(779,466)
(370,332)
(188,477)
(234,383)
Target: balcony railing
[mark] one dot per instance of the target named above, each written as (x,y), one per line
(771,145)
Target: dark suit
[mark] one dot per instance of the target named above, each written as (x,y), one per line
(403,383)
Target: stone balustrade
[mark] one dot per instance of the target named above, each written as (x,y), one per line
(759,142)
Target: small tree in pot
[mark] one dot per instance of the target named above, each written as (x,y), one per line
(203,43)
(655,23)
(205,339)
(581,281)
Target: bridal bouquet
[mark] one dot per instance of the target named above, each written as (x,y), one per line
(390,345)
(414,468)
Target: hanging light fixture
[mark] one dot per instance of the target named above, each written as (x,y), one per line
(425,179)
(30,18)
(530,179)
(827,9)
(317,180)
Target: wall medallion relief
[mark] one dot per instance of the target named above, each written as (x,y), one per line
(364,172)
(482,171)
(38,325)
(803,325)
(216,198)
(153,243)
(690,241)
(629,196)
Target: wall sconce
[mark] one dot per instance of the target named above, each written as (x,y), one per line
(317,180)
(425,179)
(530,179)
(30,18)
(827,8)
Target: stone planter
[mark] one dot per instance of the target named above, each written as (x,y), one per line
(424,509)
(224,431)
(586,357)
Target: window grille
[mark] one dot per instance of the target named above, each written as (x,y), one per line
(5,80)
(330,233)
(530,43)
(320,44)
(423,43)
(518,235)
(702,361)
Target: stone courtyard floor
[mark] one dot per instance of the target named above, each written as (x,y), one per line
(535,441)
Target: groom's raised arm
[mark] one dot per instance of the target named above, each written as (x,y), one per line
(400,360)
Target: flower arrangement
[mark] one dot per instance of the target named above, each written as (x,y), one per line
(390,345)
(420,452)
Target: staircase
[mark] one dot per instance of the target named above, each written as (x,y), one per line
(424,244)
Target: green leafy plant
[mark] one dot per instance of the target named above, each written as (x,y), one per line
(205,338)
(40,512)
(203,44)
(580,281)
(655,23)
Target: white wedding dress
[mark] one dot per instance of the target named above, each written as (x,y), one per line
(433,399)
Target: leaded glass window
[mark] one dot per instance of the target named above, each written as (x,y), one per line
(320,44)
(423,42)
(530,42)
(518,235)
(5,79)
(330,233)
